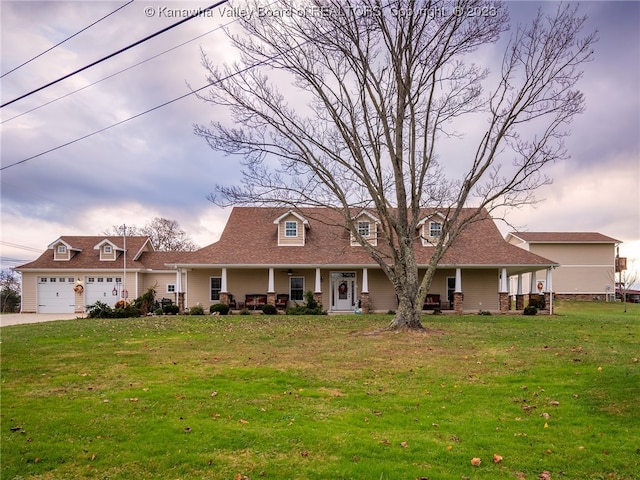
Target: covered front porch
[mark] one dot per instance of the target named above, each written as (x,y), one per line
(356,288)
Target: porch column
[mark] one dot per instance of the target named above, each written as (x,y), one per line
(179,280)
(519,295)
(224,294)
(317,293)
(457,294)
(503,293)
(271,289)
(223,281)
(365,302)
(548,296)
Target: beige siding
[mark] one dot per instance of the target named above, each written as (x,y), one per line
(480,289)
(159,281)
(107,256)
(576,254)
(29,292)
(283,239)
(61,256)
(579,279)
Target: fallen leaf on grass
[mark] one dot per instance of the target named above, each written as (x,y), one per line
(244,422)
(545,476)
(497,458)
(476,462)
(404,445)
(304,453)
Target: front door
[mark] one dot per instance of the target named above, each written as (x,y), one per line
(343,291)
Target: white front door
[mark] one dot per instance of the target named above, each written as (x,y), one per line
(343,290)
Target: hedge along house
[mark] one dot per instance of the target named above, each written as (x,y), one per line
(268,255)
(76,271)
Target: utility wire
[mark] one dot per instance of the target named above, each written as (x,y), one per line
(136,116)
(149,37)
(116,73)
(66,39)
(21,247)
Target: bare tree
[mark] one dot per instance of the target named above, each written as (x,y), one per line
(166,235)
(9,290)
(379,89)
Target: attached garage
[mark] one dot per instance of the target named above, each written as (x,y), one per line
(101,289)
(56,295)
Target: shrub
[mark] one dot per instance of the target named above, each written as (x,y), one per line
(269,309)
(530,310)
(536,301)
(197,310)
(171,309)
(484,312)
(146,302)
(221,308)
(99,310)
(158,311)
(244,311)
(310,308)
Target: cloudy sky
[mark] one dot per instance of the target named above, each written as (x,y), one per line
(154,165)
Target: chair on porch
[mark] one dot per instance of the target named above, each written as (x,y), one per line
(282,299)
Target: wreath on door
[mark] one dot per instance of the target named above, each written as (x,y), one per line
(78,289)
(342,288)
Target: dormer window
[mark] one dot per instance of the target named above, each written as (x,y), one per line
(290,229)
(108,250)
(431,228)
(367,227)
(62,249)
(435,229)
(364,228)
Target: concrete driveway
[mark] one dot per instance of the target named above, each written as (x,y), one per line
(7,319)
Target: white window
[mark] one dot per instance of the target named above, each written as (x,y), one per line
(70,279)
(364,228)
(296,288)
(435,229)
(290,229)
(52,279)
(62,249)
(108,249)
(171,287)
(91,279)
(216,288)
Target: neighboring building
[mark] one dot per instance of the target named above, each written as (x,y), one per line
(587,262)
(269,255)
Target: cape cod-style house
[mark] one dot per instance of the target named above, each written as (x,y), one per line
(270,255)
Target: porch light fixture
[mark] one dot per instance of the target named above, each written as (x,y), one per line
(289,272)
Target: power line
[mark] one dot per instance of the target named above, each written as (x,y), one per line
(133,117)
(66,39)
(21,247)
(117,73)
(149,37)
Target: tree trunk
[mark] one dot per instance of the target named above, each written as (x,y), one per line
(407,316)
(407,286)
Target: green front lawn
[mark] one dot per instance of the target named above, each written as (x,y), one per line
(285,397)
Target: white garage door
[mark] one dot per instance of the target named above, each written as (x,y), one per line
(56,295)
(101,289)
